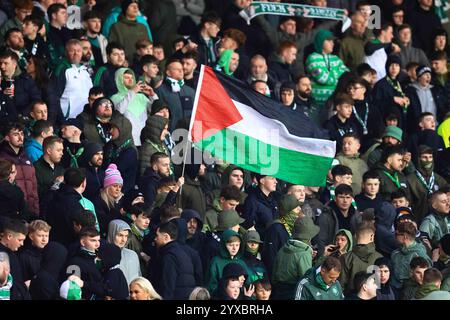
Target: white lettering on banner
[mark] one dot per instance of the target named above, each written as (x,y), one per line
(74,19)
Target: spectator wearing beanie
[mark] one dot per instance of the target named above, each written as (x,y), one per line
(121,151)
(127,30)
(107,202)
(388,94)
(92,161)
(424,97)
(384,291)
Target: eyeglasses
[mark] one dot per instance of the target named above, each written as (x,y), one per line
(105,103)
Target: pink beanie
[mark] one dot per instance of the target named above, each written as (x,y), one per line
(112,176)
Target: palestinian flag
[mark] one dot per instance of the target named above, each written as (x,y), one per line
(243,127)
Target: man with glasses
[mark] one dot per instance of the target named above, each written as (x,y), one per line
(97,126)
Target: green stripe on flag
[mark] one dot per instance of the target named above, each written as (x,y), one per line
(257,156)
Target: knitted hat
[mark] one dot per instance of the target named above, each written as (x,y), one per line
(233,270)
(252,236)
(90,149)
(320,38)
(394,132)
(391,60)
(125,4)
(228,219)
(421,70)
(74,122)
(305,229)
(69,290)
(112,176)
(288,202)
(445,244)
(158,105)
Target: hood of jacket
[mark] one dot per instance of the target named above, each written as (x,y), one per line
(116,226)
(154,126)
(425,290)
(110,255)
(349,237)
(294,246)
(224,61)
(182,229)
(386,214)
(223,251)
(118,78)
(225,179)
(364,251)
(188,214)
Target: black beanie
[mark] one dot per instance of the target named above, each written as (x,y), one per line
(126,3)
(391,60)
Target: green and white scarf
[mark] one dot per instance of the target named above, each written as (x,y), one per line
(295,10)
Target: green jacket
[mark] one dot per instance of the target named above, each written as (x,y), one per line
(291,263)
(325,71)
(358,166)
(151,141)
(436,226)
(352,48)
(409,289)
(211,221)
(387,185)
(445,285)
(400,259)
(359,259)
(419,194)
(311,287)
(127,33)
(46,175)
(220,261)
(430,291)
(135,243)
(192,197)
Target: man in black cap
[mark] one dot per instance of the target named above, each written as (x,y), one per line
(423,97)
(73,147)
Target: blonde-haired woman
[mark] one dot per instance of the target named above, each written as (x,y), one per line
(142,289)
(107,203)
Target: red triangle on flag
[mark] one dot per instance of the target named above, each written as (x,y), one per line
(215,110)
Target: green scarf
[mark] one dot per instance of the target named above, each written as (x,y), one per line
(74,157)
(138,104)
(138,233)
(254,252)
(116,151)
(288,221)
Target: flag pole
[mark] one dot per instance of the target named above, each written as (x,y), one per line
(191,123)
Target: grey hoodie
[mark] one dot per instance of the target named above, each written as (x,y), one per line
(129,264)
(425,95)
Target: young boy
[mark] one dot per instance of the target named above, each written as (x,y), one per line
(399,199)
(263,289)
(417,266)
(149,71)
(11,239)
(287,93)
(143,47)
(158,52)
(89,265)
(139,229)
(230,252)
(369,197)
(349,156)
(34,43)
(340,175)
(341,123)
(30,257)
